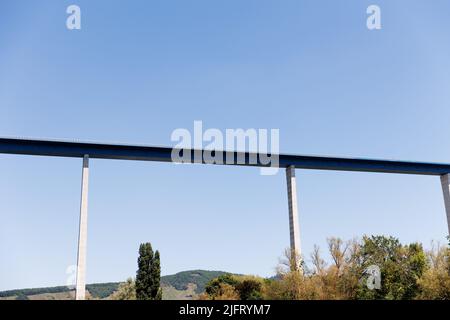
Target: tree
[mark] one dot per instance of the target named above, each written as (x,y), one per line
(435,282)
(214,287)
(400,266)
(249,288)
(148,274)
(155,272)
(407,272)
(233,287)
(337,250)
(126,291)
(291,261)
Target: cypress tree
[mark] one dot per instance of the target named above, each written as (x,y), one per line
(148,274)
(156,276)
(143,274)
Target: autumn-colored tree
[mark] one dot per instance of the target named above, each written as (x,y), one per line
(405,272)
(126,291)
(435,282)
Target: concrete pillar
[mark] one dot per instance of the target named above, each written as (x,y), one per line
(445,181)
(293,217)
(82,236)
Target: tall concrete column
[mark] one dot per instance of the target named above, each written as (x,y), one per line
(82,236)
(445,181)
(293,217)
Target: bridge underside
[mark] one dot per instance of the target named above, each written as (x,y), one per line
(164,154)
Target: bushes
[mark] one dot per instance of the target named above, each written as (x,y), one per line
(435,282)
(126,291)
(232,287)
(249,289)
(401,267)
(407,272)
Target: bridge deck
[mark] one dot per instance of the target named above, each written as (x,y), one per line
(163,154)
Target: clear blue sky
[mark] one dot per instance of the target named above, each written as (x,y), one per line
(140,69)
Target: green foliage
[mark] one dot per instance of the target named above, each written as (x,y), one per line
(213,287)
(148,274)
(179,281)
(435,282)
(126,291)
(155,274)
(244,287)
(34,291)
(98,290)
(102,290)
(249,289)
(406,273)
(400,266)
(21,296)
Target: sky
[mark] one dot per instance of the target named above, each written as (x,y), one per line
(138,70)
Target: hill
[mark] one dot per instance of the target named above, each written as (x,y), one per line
(179,286)
(181,280)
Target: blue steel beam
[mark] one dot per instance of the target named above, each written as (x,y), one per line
(163,154)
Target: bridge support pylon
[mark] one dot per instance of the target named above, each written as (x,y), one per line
(294,229)
(80,293)
(445,181)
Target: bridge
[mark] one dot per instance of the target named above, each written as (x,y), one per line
(86,151)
